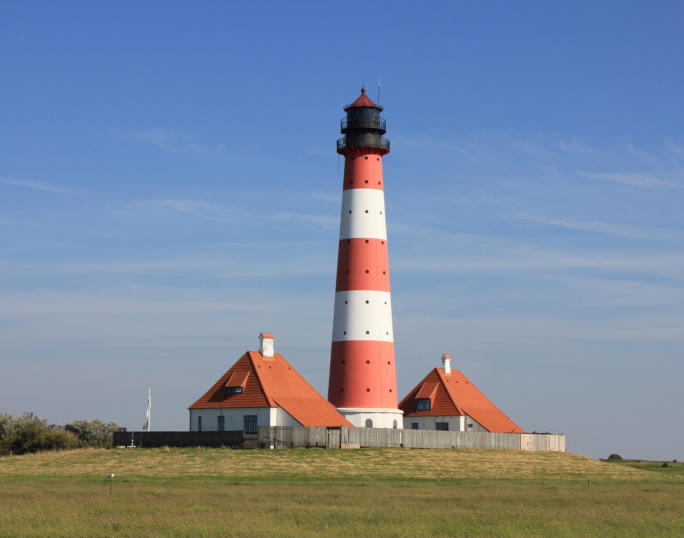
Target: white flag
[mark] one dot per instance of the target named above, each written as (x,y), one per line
(146,426)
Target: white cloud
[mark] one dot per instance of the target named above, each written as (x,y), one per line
(171,140)
(670,265)
(439,144)
(577,147)
(197,208)
(621,230)
(185,205)
(30,184)
(247,265)
(637,180)
(225,213)
(642,154)
(327,196)
(161,138)
(324,220)
(676,149)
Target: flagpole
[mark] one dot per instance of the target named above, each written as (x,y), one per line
(149,407)
(149,410)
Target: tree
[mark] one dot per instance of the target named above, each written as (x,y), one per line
(29,433)
(93,433)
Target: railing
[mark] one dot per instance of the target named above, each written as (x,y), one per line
(363,123)
(384,144)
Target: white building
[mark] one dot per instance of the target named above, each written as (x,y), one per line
(262,389)
(447,400)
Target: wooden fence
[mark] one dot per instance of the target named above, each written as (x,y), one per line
(294,437)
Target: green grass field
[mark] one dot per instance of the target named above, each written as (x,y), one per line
(379,492)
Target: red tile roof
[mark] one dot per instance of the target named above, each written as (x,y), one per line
(427,390)
(362,100)
(274,383)
(237,379)
(456,395)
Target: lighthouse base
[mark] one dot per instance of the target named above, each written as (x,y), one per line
(364,417)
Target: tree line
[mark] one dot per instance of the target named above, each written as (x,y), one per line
(29,433)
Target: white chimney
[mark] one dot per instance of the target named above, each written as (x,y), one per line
(266,344)
(446,363)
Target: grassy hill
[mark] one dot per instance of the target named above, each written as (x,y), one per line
(379,492)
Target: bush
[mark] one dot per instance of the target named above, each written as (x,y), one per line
(614,457)
(93,433)
(664,464)
(29,433)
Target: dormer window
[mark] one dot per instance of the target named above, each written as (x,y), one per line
(425,395)
(236,382)
(422,404)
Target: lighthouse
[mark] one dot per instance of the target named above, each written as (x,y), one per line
(362,383)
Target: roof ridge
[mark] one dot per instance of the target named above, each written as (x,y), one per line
(441,374)
(258,376)
(300,375)
(207,398)
(489,405)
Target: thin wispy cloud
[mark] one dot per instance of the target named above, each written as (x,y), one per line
(577,147)
(327,196)
(643,155)
(172,140)
(621,230)
(242,266)
(185,205)
(636,180)
(324,220)
(440,144)
(31,184)
(539,152)
(166,139)
(224,213)
(674,148)
(188,207)
(669,265)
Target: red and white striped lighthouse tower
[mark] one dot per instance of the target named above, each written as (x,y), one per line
(363,384)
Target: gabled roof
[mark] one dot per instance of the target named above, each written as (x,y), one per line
(456,395)
(271,382)
(237,379)
(427,390)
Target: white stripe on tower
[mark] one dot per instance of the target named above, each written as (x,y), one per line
(363,214)
(363,315)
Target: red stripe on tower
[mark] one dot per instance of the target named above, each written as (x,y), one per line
(363,383)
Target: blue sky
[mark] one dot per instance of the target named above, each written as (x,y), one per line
(169,188)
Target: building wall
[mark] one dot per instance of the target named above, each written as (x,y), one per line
(234,418)
(280,417)
(381,418)
(457,423)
